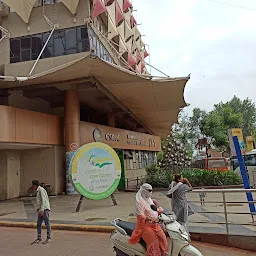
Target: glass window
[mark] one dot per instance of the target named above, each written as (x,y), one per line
(25,55)
(83,46)
(70,38)
(250,160)
(59,43)
(82,34)
(25,48)
(37,46)
(83,40)
(71,41)
(62,42)
(25,43)
(15,50)
(48,51)
(48,2)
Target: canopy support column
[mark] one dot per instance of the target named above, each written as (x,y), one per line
(72,132)
(120,152)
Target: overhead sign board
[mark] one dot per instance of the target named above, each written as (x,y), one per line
(95,170)
(238,132)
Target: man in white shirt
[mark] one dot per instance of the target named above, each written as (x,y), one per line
(43,209)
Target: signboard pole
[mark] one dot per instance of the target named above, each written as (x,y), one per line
(82,199)
(121,186)
(244,173)
(113,199)
(80,203)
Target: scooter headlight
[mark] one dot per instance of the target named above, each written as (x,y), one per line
(172,218)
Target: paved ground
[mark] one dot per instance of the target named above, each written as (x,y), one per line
(16,242)
(102,212)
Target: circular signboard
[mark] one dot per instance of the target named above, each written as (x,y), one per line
(95,170)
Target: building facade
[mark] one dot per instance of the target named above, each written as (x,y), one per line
(74,72)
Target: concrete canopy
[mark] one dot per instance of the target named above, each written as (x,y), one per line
(22,7)
(71,5)
(156,102)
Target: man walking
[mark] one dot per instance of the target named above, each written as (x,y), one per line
(43,209)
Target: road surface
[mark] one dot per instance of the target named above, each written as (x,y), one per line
(16,242)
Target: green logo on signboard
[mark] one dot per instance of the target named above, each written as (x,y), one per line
(95,170)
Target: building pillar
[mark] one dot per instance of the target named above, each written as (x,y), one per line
(72,132)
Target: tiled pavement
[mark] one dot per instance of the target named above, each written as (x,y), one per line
(102,212)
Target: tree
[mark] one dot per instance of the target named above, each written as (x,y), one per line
(195,123)
(189,129)
(183,133)
(248,110)
(216,124)
(177,147)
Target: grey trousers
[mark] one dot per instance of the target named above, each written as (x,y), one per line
(46,220)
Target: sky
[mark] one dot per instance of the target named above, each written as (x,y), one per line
(214,42)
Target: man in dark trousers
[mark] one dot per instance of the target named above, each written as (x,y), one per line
(43,210)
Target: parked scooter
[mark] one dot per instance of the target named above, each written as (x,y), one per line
(177,236)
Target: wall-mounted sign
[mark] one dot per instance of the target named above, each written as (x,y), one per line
(73,146)
(97,135)
(95,170)
(250,143)
(118,138)
(112,137)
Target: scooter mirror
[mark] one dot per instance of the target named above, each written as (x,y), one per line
(153,207)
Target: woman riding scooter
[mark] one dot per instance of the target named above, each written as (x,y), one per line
(147,225)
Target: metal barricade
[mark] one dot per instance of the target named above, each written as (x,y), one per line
(226,203)
(135,182)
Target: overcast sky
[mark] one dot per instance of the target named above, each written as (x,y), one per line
(213,42)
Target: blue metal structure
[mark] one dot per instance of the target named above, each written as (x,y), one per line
(244,173)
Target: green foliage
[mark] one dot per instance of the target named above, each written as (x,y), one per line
(152,168)
(217,123)
(188,130)
(162,178)
(160,156)
(196,122)
(211,178)
(157,177)
(248,110)
(235,113)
